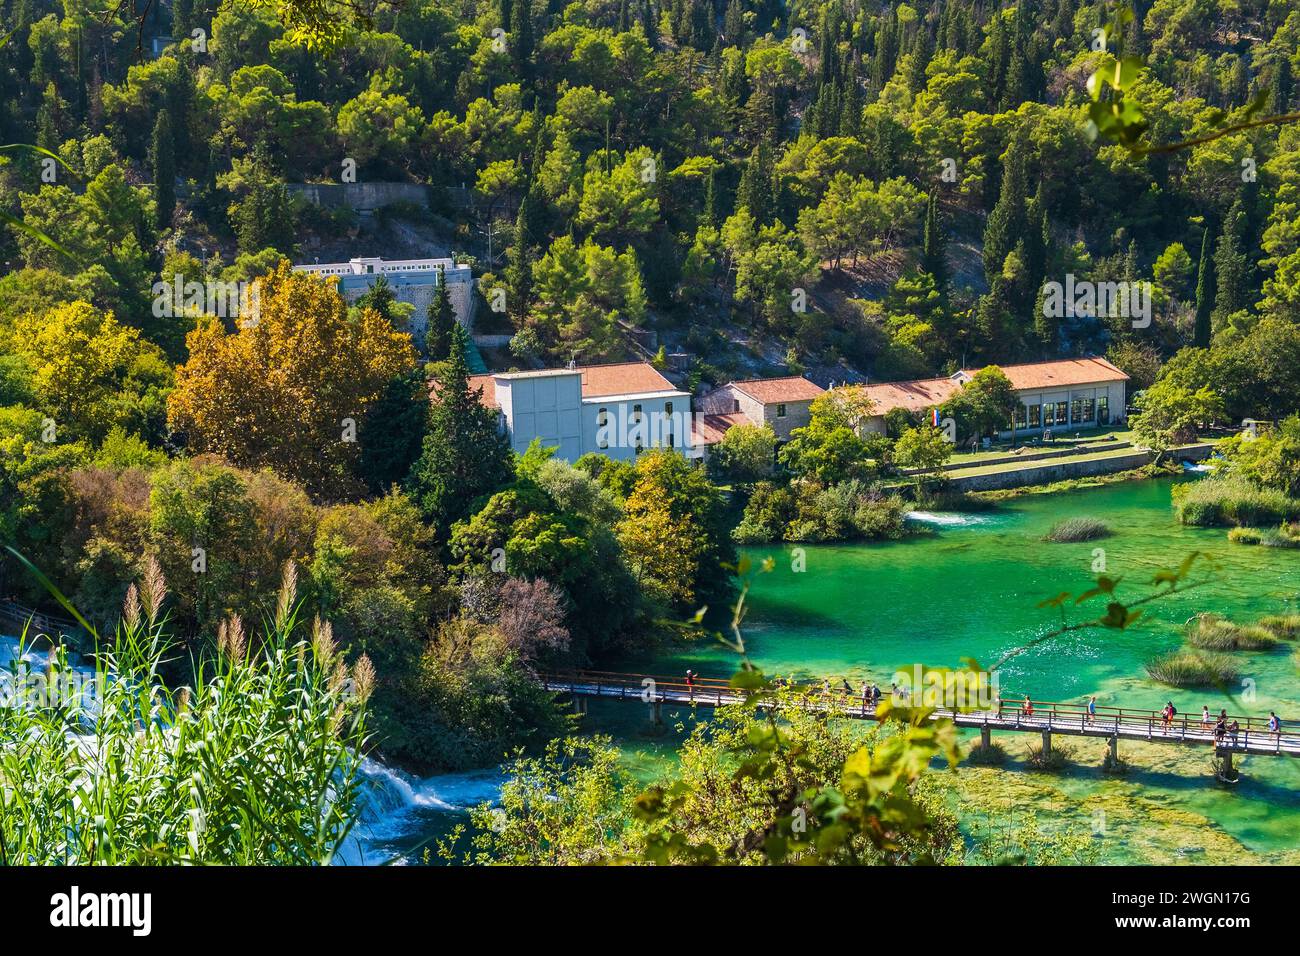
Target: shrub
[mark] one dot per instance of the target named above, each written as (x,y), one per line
(808,511)
(1077,529)
(1189,669)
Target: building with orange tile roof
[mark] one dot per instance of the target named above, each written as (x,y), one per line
(1072,393)
(617,409)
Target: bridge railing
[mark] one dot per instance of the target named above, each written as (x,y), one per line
(1047,714)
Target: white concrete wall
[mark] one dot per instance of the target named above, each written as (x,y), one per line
(547,407)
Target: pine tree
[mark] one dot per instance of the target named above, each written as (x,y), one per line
(1204,295)
(162,152)
(464,454)
(441,323)
(379,297)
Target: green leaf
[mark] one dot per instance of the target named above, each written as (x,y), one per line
(35,234)
(54,592)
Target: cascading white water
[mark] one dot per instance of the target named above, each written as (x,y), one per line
(396,805)
(950,519)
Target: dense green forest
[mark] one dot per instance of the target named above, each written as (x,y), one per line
(861,188)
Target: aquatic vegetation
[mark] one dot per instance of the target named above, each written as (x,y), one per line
(1283,626)
(1268,537)
(993,755)
(1227,500)
(1053,760)
(1215,633)
(1078,529)
(1191,669)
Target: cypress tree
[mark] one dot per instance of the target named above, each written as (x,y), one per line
(441,322)
(755,189)
(1007,221)
(1204,295)
(709,214)
(392,432)
(733,23)
(650,24)
(464,454)
(519,270)
(933,255)
(1281,87)
(163,153)
(1231,267)
(521,43)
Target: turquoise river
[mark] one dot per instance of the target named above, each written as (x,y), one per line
(969,587)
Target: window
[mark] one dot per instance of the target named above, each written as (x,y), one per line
(668,408)
(1103,410)
(636,413)
(1062,413)
(602,419)
(1035,415)
(780,410)
(1022,416)
(736,405)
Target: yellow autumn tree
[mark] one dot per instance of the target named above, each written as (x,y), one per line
(290,386)
(89,371)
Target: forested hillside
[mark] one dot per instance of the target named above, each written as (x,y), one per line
(883,187)
(855,189)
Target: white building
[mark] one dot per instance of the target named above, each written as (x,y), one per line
(1066,394)
(617,410)
(412,280)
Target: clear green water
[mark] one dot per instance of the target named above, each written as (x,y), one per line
(970,589)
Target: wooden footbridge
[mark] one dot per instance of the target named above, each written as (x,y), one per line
(1046,718)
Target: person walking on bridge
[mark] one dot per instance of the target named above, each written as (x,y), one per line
(1274,724)
(1206,720)
(1028,707)
(1092,709)
(690,683)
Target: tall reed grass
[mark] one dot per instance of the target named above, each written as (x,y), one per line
(257,763)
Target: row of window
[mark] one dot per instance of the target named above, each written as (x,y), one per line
(602,419)
(1079,411)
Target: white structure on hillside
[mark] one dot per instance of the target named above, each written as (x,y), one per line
(412,280)
(617,410)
